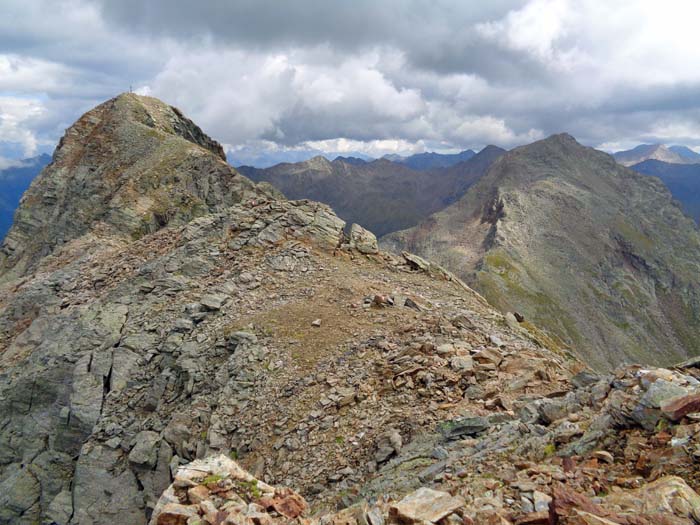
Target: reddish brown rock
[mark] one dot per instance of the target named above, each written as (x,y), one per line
(286,502)
(678,408)
(176,514)
(534,518)
(566,501)
(198,494)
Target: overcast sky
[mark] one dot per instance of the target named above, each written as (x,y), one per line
(375,76)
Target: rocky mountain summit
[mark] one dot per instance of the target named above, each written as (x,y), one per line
(384,196)
(185,372)
(595,253)
(127,168)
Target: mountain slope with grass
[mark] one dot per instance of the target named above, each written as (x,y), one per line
(599,255)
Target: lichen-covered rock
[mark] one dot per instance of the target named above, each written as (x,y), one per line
(218,489)
(362,240)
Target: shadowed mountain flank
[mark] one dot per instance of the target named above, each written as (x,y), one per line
(682,179)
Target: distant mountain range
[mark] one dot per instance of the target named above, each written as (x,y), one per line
(431,160)
(418,162)
(672,154)
(266,159)
(381,195)
(13,183)
(682,179)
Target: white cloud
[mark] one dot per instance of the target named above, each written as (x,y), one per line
(16,115)
(372,148)
(288,97)
(536,29)
(458,75)
(8,163)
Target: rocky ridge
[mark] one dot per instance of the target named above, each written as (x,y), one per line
(599,256)
(379,387)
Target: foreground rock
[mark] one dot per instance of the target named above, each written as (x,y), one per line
(217,490)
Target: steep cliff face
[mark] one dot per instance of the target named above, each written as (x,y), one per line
(597,254)
(128,167)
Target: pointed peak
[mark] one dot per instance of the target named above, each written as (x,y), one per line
(126,168)
(556,142)
(490,150)
(133,109)
(318,162)
(562,138)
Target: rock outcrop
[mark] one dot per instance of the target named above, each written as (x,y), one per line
(598,255)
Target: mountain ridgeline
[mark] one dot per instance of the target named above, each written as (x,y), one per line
(382,195)
(431,160)
(671,154)
(597,254)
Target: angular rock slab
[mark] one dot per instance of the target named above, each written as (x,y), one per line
(426,505)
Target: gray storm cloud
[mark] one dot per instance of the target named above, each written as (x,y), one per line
(373,77)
